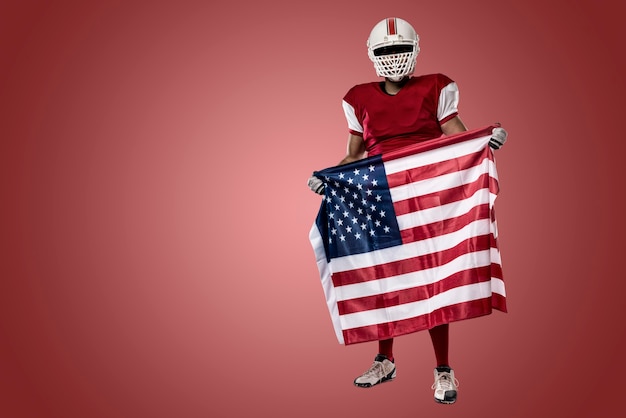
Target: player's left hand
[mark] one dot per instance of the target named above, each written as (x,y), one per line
(498,138)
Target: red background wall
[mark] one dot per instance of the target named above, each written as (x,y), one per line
(154,245)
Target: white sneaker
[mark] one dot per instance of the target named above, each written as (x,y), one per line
(445,385)
(382,370)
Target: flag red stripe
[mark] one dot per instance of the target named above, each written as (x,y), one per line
(437,143)
(443,197)
(445,226)
(436,169)
(399,297)
(498,302)
(410,265)
(445,315)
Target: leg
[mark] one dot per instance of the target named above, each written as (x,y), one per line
(385,347)
(439,336)
(445,383)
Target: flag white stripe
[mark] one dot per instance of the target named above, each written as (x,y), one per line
(413,279)
(436,155)
(453,296)
(323,266)
(440,183)
(443,212)
(497,286)
(494,229)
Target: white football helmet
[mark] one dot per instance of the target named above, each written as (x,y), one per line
(393,46)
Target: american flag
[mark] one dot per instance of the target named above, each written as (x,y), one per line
(407,240)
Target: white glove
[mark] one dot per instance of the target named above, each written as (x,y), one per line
(316,185)
(498,138)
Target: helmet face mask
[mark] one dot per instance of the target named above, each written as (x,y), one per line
(393,49)
(393,46)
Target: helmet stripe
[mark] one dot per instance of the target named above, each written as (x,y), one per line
(391,26)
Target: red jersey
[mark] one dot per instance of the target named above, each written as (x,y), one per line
(414,114)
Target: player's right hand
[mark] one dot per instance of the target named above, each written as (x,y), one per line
(316,185)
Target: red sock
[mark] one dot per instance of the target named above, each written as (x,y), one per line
(439,337)
(385,347)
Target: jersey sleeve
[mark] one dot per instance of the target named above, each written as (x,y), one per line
(448,104)
(351,110)
(354,126)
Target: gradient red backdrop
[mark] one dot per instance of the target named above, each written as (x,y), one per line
(154,245)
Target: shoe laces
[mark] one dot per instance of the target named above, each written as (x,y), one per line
(375,370)
(444,381)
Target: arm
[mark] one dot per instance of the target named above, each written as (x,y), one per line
(453,126)
(356,149)
(456,126)
(356,146)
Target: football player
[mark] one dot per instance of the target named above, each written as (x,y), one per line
(382,116)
